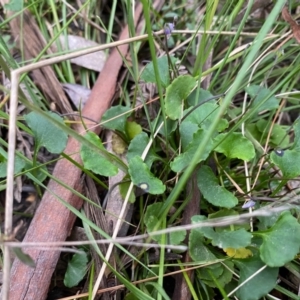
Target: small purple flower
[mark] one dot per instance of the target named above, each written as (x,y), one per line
(249,204)
(169,27)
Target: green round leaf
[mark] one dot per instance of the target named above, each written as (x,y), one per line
(198,251)
(115,118)
(234,145)
(148,74)
(212,191)
(76,269)
(19,165)
(47,133)
(93,161)
(262,98)
(232,239)
(140,174)
(259,285)
(287,161)
(132,129)
(184,159)
(137,147)
(296,126)
(151,218)
(281,242)
(176,92)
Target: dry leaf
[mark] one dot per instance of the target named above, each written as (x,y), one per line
(77,93)
(293,24)
(94,61)
(238,253)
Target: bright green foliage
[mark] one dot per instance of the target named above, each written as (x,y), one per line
(175,238)
(187,130)
(260,284)
(224,239)
(214,270)
(234,145)
(260,131)
(204,95)
(281,242)
(184,159)
(93,160)
(19,165)
(130,296)
(216,274)
(151,220)
(212,191)
(296,127)
(132,129)
(115,118)
(123,187)
(23,257)
(197,249)
(46,133)
(76,270)
(137,147)
(194,125)
(226,275)
(263,99)
(148,74)
(176,93)
(232,239)
(141,175)
(204,115)
(14,5)
(287,160)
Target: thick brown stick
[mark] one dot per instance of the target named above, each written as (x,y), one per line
(53,221)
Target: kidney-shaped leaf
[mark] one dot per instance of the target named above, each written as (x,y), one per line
(19,165)
(232,239)
(151,221)
(261,284)
(143,178)
(115,118)
(184,159)
(224,239)
(137,147)
(151,216)
(296,126)
(262,98)
(46,133)
(287,161)
(148,74)
(76,269)
(176,92)
(204,115)
(234,145)
(212,191)
(281,242)
(95,162)
(198,251)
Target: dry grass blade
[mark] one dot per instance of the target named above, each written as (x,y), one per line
(32,44)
